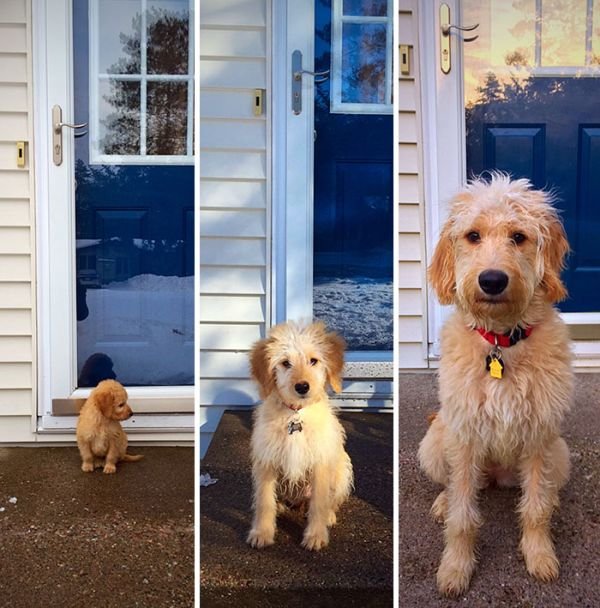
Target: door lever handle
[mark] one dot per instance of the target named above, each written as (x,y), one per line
(447,27)
(298,74)
(57,138)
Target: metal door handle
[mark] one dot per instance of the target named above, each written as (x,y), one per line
(297,72)
(446,29)
(57,139)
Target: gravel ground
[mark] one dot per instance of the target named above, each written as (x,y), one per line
(354,570)
(88,540)
(501,578)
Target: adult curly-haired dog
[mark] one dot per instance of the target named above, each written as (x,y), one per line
(298,450)
(101,440)
(505,378)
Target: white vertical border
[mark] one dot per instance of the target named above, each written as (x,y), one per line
(396,308)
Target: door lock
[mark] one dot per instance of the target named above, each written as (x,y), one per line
(57,138)
(297,73)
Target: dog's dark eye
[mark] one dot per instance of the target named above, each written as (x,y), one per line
(286,364)
(314,361)
(518,238)
(473,237)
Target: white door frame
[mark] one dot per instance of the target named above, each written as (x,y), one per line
(55,227)
(444,145)
(293,178)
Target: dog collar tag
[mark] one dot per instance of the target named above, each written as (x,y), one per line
(293,426)
(494,364)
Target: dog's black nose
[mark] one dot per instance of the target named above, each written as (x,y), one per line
(493,282)
(302,388)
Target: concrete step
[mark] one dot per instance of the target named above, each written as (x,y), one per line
(500,578)
(356,567)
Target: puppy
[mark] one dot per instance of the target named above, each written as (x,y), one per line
(102,441)
(505,378)
(297,441)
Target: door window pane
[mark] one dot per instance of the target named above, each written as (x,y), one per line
(168,39)
(365,8)
(167,109)
(119,109)
(119,48)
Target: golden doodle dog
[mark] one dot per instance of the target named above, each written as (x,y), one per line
(101,440)
(298,450)
(505,379)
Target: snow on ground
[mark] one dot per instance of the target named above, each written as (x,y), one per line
(359,308)
(146,326)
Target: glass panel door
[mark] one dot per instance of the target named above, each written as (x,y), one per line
(531,90)
(353,151)
(134,192)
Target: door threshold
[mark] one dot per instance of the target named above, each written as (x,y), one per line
(140,423)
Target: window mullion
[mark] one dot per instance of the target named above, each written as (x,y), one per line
(143,81)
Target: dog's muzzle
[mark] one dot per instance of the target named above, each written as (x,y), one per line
(493,282)
(302,388)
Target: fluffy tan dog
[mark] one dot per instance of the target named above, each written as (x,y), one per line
(101,439)
(297,441)
(505,371)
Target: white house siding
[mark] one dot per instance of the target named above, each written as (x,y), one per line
(17,245)
(234,201)
(412,295)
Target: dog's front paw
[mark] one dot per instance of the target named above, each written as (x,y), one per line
(332,518)
(454,574)
(87,467)
(109,468)
(541,562)
(440,507)
(260,538)
(315,538)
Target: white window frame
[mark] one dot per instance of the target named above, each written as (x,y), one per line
(338,19)
(95,76)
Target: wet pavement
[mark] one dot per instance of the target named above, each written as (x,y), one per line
(75,539)
(354,570)
(500,578)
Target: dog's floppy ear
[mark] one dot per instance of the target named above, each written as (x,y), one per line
(441,270)
(554,249)
(260,367)
(335,347)
(104,398)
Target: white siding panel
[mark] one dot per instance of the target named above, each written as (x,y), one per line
(228,337)
(408,189)
(15,349)
(410,329)
(14,212)
(250,74)
(224,13)
(409,247)
(411,303)
(232,252)
(232,43)
(12,11)
(223,193)
(223,280)
(15,322)
(407,96)
(408,158)
(15,267)
(13,127)
(227,104)
(15,240)
(13,68)
(244,135)
(13,38)
(233,165)
(15,295)
(409,275)
(410,356)
(239,223)
(15,184)
(407,127)
(15,402)
(408,218)
(15,375)
(13,97)
(224,364)
(228,309)
(228,392)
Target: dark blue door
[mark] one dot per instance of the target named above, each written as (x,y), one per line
(353,234)
(531,97)
(134,191)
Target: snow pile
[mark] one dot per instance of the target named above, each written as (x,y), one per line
(358,308)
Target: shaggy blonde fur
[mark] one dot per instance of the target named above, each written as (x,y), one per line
(308,465)
(101,440)
(504,428)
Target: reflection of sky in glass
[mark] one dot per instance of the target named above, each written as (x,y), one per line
(365,8)
(125,13)
(507,38)
(363,62)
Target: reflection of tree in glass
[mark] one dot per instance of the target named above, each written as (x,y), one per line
(363,64)
(166,101)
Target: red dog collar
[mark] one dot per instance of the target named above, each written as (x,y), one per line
(505,340)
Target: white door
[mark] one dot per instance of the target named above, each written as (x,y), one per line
(518,94)
(332,179)
(115,206)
